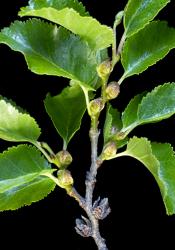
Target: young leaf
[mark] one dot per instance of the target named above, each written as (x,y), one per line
(59,5)
(22,179)
(165,155)
(157,105)
(16,125)
(66,111)
(147,47)
(129,116)
(112,123)
(51,50)
(139,13)
(98,36)
(159,159)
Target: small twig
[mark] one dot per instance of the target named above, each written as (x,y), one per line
(100,242)
(70,191)
(121,79)
(90,185)
(120,46)
(39,146)
(73,193)
(92,227)
(117,51)
(91,175)
(86,98)
(47,152)
(47,147)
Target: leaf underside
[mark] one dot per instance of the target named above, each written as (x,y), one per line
(159,159)
(22,179)
(140,149)
(166,173)
(16,125)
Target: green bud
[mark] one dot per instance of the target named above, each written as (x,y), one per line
(96,106)
(64,178)
(112,90)
(104,69)
(64,158)
(118,17)
(120,136)
(109,151)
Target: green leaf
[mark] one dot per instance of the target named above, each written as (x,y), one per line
(139,13)
(59,5)
(129,116)
(66,111)
(147,47)
(97,35)
(166,173)
(157,105)
(15,125)
(112,123)
(159,159)
(22,177)
(140,149)
(51,50)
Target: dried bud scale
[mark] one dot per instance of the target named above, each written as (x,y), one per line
(101,208)
(83,227)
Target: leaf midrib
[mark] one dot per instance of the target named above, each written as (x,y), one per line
(135,14)
(31,50)
(146,58)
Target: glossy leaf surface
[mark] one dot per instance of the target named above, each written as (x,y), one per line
(157,105)
(51,50)
(59,5)
(139,13)
(97,35)
(147,47)
(22,177)
(129,116)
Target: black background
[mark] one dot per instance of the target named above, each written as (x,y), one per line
(138,218)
